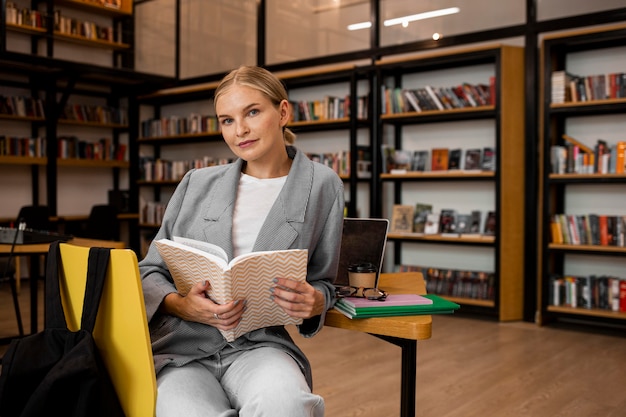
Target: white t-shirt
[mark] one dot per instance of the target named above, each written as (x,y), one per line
(255,198)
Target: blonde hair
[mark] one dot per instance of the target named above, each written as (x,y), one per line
(261,80)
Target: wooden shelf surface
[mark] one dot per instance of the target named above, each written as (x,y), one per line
(482,240)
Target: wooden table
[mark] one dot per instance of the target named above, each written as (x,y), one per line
(42,249)
(402,331)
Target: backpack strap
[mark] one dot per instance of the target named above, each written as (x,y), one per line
(97,266)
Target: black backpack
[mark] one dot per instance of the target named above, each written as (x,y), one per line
(58,371)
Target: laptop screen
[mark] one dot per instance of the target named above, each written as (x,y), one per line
(363,241)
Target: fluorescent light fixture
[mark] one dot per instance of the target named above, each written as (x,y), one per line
(404,20)
(362,25)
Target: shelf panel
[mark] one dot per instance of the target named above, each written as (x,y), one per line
(152,183)
(91,163)
(439,175)
(68,37)
(587,248)
(460,240)
(185,138)
(22,160)
(428,116)
(92,124)
(593,312)
(125,8)
(470,301)
(21,118)
(587,178)
(30,30)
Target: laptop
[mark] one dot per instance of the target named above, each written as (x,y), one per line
(363,240)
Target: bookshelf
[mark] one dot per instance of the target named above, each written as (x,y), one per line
(38,61)
(163,107)
(498,124)
(572,185)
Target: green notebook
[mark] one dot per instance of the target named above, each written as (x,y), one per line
(439,306)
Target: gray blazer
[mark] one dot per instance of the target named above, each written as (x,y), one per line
(308,214)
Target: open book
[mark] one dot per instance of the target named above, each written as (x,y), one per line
(247,277)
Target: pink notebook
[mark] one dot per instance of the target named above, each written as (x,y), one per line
(391,301)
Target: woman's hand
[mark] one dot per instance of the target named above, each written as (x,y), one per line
(298,299)
(196,306)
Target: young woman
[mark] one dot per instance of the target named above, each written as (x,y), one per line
(273,197)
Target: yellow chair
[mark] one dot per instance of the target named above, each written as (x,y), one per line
(121,331)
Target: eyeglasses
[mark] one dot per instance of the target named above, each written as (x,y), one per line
(369,293)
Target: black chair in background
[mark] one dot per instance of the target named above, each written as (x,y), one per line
(35,218)
(103,223)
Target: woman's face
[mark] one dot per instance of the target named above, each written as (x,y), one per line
(251,125)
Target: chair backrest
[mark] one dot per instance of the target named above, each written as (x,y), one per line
(103,223)
(121,331)
(35,217)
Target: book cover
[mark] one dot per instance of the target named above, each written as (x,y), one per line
(439,161)
(463,222)
(472,159)
(402,160)
(447,222)
(489,159)
(402,219)
(454,159)
(432,224)
(420,160)
(393,302)
(421,214)
(247,277)
(490,224)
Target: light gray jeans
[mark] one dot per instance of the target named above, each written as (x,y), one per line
(252,383)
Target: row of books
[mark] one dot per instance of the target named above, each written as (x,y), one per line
(94,114)
(177,125)
(151,212)
(19,146)
(340,162)
(601,292)
(395,305)
(568,87)
(105,149)
(23,16)
(329,108)
(478,285)
(437,159)
(588,229)
(151,169)
(85,29)
(574,157)
(420,219)
(403,100)
(22,106)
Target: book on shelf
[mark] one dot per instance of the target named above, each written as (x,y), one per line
(432,224)
(421,217)
(602,292)
(402,218)
(247,277)
(454,159)
(474,223)
(478,285)
(420,160)
(425,305)
(447,222)
(472,161)
(490,224)
(439,160)
(463,223)
(402,161)
(489,159)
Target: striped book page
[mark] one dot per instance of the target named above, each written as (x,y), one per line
(247,277)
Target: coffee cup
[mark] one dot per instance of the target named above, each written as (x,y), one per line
(362,275)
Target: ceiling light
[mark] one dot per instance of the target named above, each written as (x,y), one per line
(362,25)
(404,20)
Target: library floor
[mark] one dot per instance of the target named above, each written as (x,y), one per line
(470,367)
